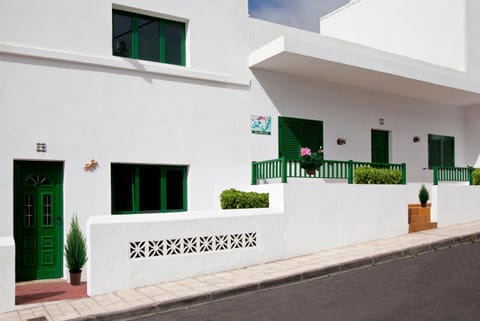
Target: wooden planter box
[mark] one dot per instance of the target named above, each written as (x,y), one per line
(419,218)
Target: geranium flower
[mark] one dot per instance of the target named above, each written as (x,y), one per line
(305,151)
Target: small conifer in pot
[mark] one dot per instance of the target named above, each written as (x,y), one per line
(75,251)
(423,196)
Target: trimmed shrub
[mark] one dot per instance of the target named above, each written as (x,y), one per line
(369,175)
(476,176)
(232,199)
(423,195)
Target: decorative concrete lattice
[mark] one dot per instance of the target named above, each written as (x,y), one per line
(137,250)
(192,245)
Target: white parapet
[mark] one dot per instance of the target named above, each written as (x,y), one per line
(139,250)
(456,204)
(7,273)
(132,251)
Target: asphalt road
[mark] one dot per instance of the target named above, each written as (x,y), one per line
(444,285)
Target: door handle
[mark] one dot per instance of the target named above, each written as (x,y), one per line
(59,221)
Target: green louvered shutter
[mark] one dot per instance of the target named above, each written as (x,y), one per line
(289,138)
(448,151)
(434,151)
(295,133)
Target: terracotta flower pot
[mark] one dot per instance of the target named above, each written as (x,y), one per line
(75,278)
(310,171)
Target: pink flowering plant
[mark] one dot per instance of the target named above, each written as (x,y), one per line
(311,161)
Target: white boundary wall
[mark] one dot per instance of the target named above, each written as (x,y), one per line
(316,216)
(7,273)
(456,204)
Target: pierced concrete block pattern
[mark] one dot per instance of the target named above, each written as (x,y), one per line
(191,245)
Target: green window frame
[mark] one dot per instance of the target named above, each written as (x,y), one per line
(148,188)
(441,151)
(294,133)
(148,38)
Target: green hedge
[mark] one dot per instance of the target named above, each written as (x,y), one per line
(368,175)
(232,198)
(476,176)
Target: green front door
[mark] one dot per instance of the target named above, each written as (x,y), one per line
(38,220)
(380,147)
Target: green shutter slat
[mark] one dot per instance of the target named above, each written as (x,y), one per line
(448,151)
(434,151)
(289,139)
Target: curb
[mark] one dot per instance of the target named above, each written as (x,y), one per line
(174,304)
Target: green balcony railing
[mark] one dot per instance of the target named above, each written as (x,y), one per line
(452,174)
(331,169)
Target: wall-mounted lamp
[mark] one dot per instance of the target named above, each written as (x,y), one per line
(416,139)
(381,121)
(341,141)
(41,147)
(90,166)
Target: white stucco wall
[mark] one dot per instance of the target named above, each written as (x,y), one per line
(352,113)
(61,86)
(428,30)
(85,27)
(456,204)
(110,267)
(6,186)
(84,113)
(472,117)
(316,216)
(473,46)
(7,272)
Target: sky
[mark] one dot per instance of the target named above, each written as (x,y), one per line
(303,14)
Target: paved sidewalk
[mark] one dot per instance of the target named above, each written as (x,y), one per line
(166,296)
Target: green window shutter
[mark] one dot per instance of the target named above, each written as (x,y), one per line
(289,139)
(448,151)
(295,133)
(434,151)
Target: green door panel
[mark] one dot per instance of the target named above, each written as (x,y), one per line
(380,146)
(38,220)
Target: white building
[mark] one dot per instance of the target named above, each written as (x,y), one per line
(160,94)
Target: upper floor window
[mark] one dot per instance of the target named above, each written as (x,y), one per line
(148,38)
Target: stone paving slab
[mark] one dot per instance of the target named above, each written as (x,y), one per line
(152,299)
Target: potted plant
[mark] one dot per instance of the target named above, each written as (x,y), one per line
(311,161)
(423,196)
(75,251)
